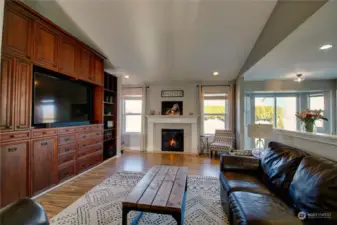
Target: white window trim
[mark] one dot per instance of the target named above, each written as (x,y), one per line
(220,97)
(130,114)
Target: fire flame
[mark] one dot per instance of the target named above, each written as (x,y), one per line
(173,142)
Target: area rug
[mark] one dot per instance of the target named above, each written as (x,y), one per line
(102,204)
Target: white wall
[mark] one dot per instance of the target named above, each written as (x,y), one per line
(2,2)
(190,99)
(239,113)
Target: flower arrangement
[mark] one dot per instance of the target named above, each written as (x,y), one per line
(309,117)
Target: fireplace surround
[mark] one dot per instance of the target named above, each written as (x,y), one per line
(172,140)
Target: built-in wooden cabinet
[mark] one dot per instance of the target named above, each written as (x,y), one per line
(43,163)
(14,171)
(6,98)
(98,70)
(46,41)
(17,31)
(83,65)
(16,86)
(23,94)
(67,57)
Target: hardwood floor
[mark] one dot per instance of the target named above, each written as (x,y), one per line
(61,197)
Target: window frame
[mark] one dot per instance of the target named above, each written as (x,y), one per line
(126,98)
(218,96)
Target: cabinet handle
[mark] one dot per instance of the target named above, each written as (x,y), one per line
(67,139)
(67,149)
(84,136)
(44,143)
(44,132)
(84,145)
(28,57)
(12,149)
(8,127)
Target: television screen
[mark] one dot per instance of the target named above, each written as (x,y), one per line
(59,100)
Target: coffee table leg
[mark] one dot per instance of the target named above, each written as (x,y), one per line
(125,212)
(178,218)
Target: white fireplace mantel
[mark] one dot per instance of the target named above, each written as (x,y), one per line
(162,119)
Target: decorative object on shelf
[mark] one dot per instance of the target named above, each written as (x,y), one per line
(308,118)
(152,112)
(110,124)
(172,93)
(262,132)
(111,99)
(106,98)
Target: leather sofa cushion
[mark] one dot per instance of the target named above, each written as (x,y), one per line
(314,186)
(258,209)
(233,181)
(279,164)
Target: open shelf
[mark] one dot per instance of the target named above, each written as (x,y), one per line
(110,90)
(109,103)
(109,139)
(107,129)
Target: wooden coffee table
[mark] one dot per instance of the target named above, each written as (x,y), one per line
(162,190)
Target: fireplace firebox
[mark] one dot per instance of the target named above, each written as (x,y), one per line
(172,140)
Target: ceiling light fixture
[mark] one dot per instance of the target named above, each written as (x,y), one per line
(127,76)
(299,78)
(215,73)
(325,47)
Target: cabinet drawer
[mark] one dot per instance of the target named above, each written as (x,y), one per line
(66,171)
(83,136)
(66,158)
(94,159)
(67,139)
(82,128)
(89,142)
(96,127)
(64,149)
(87,151)
(43,132)
(67,130)
(12,136)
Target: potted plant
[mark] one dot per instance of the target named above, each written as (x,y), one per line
(308,118)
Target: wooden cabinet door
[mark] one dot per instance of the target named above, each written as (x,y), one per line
(14,172)
(83,67)
(46,46)
(17,33)
(67,53)
(43,163)
(6,91)
(98,71)
(22,92)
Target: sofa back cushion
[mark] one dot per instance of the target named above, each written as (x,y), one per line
(279,164)
(314,186)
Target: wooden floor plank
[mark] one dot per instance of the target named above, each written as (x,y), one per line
(60,198)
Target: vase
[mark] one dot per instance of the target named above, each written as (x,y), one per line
(309,127)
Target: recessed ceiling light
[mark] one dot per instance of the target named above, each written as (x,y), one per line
(127,76)
(215,73)
(325,47)
(299,78)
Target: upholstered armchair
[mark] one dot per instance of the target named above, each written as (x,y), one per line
(223,142)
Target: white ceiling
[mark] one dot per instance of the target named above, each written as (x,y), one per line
(299,52)
(171,40)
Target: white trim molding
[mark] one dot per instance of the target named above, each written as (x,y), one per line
(159,119)
(323,145)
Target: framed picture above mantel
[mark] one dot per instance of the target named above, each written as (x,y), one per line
(172,93)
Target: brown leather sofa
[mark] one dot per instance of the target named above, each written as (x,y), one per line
(274,189)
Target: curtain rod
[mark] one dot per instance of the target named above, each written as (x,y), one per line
(214,85)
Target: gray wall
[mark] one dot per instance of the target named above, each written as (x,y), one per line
(285,18)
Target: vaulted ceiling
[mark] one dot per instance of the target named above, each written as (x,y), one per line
(165,40)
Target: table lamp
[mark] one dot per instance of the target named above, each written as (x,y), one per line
(260,131)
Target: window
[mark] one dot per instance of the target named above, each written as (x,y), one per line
(215,112)
(286,108)
(132,110)
(316,102)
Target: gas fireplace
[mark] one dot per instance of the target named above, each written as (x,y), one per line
(172,140)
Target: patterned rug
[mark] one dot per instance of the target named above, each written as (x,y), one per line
(102,204)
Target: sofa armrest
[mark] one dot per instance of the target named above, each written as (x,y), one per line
(238,163)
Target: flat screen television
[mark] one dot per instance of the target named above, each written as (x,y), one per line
(58,100)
